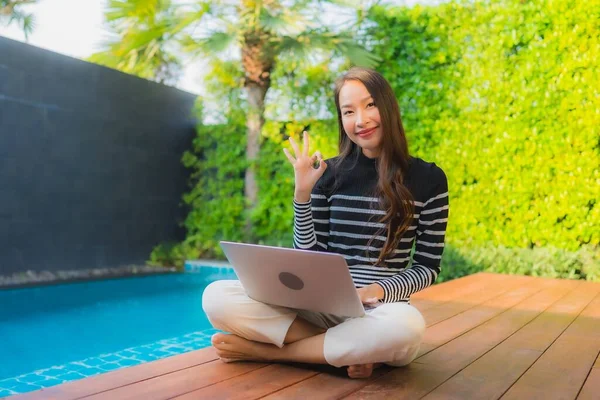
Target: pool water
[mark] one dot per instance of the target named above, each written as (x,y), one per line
(53,334)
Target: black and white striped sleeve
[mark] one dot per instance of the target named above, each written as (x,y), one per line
(429,246)
(311,222)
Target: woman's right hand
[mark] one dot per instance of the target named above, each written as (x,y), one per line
(305,174)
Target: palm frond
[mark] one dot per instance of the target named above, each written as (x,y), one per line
(301,46)
(28,24)
(292,46)
(357,54)
(283,22)
(26,21)
(217,42)
(144,29)
(213,44)
(133,9)
(343,3)
(106,58)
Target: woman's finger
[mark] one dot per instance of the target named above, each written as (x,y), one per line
(289,156)
(322,165)
(305,149)
(295,147)
(315,162)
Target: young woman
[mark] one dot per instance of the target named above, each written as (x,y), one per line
(371,204)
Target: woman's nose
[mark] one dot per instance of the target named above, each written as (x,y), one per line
(360,120)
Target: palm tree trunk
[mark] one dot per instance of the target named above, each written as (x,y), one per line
(254,123)
(258,62)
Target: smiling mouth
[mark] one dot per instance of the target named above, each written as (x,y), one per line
(366,132)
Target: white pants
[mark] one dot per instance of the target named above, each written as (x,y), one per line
(390,333)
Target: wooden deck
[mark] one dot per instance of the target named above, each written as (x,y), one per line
(489,336)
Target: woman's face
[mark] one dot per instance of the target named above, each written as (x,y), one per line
(360,117)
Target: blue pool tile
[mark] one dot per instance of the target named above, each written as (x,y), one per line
(77,366)
(110,358)
(53,373)
(54,370)
(154,346)
(150,357)
(173,349)
(128,353)
(160,353)
(71,376)
(31,378)
(6,392)
(25,387)
(106,362)
(110,366)
(91,371)
(129,362)
(9,383)
(51,382)
(93,361)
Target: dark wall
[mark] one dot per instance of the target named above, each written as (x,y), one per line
(90,170)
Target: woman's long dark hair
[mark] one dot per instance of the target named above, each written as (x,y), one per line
(392,163)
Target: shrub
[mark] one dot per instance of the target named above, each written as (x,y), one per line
(503,95)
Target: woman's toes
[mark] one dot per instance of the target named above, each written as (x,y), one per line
(218,338)
(360,371)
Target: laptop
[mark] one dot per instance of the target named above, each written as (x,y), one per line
(300,279)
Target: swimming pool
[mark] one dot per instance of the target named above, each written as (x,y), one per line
(53,334)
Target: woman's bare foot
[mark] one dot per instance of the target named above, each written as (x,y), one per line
(362,371)
(232,348)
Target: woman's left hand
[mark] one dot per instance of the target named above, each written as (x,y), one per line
(370,294)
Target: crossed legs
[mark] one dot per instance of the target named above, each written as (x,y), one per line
(262,332)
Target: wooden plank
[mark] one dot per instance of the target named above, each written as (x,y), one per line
(432,369)
(492,375)
(409,382)
(462,303)
(179,382)
(325,386)
(562,370)
(448,329)
(435,295)
(468,281)
(252,385)
(591,388)
(443,332)
(452,308)
(121,377)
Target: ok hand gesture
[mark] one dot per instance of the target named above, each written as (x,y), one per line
(305,173)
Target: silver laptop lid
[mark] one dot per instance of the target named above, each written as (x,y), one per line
(301,279)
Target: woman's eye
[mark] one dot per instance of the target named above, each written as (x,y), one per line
(371,104)
(347,112)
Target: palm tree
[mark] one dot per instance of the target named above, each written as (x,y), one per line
(141,36)
(11,11)
(260,30)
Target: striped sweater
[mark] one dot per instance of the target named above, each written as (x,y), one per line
(345,220)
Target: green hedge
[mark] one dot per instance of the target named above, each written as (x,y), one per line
(504,96)
(501,94)
(548,262)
